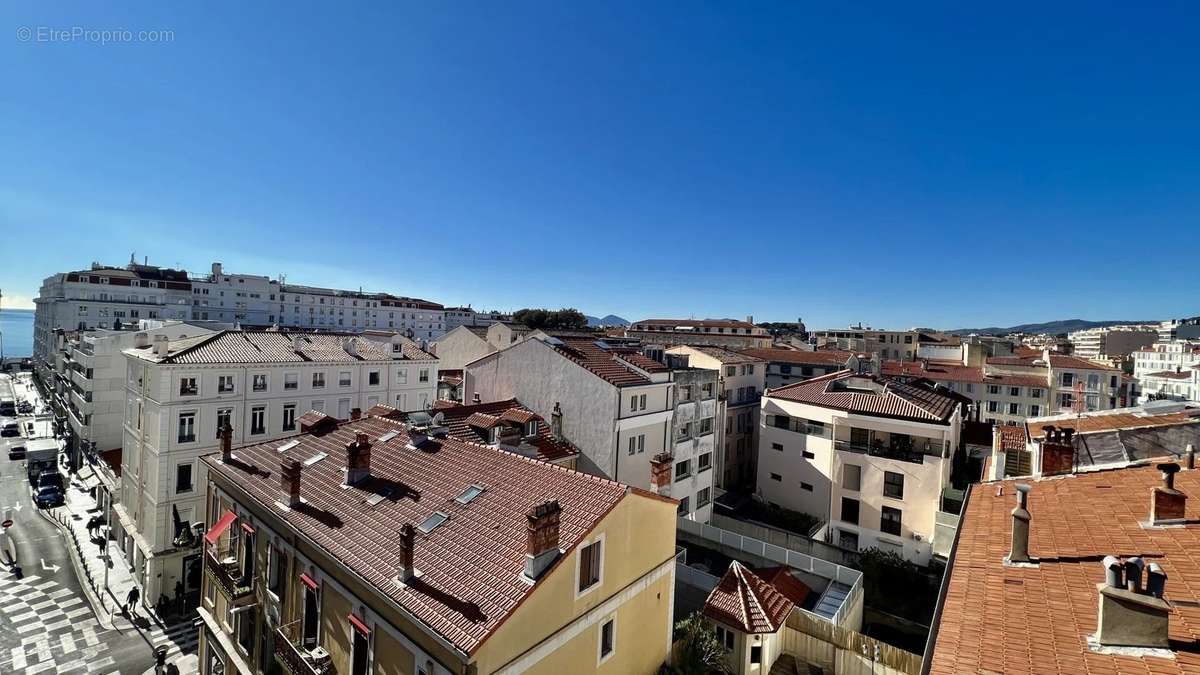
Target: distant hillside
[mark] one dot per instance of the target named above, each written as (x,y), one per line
(1052,327)
(610,320)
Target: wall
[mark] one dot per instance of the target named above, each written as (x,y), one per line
(459,347)
(841,650)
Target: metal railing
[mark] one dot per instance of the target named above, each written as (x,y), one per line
(225,572)
(295,658)
(904,454)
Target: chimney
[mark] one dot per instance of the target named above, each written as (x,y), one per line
(226,433)
(1190,453)
(141,340)
(541,538)
(296,342)
(405,570)
(355,414)
(749,318)
(358,458)
(289,482)
(1019,553)
(999,457)
(1166,503)
(350,346)
(1057,452)
(660,473)
(160,345)
(556,422)
(476,399)
(1127,616)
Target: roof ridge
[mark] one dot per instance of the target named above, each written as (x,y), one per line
(170,358)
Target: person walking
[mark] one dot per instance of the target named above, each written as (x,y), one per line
(131,600)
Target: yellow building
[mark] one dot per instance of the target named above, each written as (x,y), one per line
(370,546)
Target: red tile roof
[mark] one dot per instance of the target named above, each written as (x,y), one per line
(785,582)
(820,357)
(1036,620)
(694,323)
(471,565)
(616,366)
(1103,421)
(1012,438)
(725,355)
(460,418)
(746,602)
(1170,375)
(269,346)
(956,372)
(879,397)
(1058,361)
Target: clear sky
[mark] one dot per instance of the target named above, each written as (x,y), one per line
(936,164)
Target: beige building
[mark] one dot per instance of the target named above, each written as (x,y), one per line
(729,333)
(1103,343)
(898,345)
(372,547)
(465,344)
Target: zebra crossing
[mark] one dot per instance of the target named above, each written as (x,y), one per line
(51,630)
(182,638)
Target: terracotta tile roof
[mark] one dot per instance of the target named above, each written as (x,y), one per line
(694,323)
(1060,361)
(1036,620)
(269,346)
(956,372)
(1170,375)
(1012,438)
(382,410)
(785,582)
(1110,420)
(1014,360)
(725,355)
(746,602)
(867,395)
(471,565)
(616,366)
(459,419)
(797,356)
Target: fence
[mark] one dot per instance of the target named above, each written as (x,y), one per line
(844,651)
(788,540)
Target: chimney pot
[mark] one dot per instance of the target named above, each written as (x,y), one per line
(1112,571)
(476,398)
(1019,551)
(358,458)
(405,570)
(1133,574)
(226,443)
(1167,505)
(1191,456)
(355,414)
(1168,469)
(1156,580)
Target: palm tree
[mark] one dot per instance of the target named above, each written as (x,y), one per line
(700,652)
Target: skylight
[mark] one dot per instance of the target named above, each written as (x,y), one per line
(433,522)
(388,436)
(470,494)
(288,446)
(315,458)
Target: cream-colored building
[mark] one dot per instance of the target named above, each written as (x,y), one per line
(729,333)
(465,344)
(898,345)
(180,393)
(868,455)
(373,547)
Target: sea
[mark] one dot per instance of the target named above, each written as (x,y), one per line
(16,331)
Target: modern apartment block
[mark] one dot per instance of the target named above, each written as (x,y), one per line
(1103,343)
(1179,329)
(369,547)
(687,472)
(333,309)
(868,455)
(729,333)
(1075,384)
(741,378)
(1167,370)
(259,385)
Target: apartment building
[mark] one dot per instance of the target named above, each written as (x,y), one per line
(235,298)
(1165,370)
(465,316)
(373,548)
(1112,341)
(741,383)
(1075,384)
(785,366)
(686,473)
(465,344)
(998,397)
(729,333)
(333,309)
(506,425)
(1179,329)
(180,394)
(868,455)
(898,345)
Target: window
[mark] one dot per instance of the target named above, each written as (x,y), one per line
(851,477)
(224,418)
(318,381)
(706,426)
(291,380)
(893,485)
(1066,400)
(889,521)
(704,462)
(224,384)
(806,486)
(632,444)
(642,402)
(685,431)
(531,428)
(684,506)
(590,560)
(706,390)
(187,427)
(183,478)
(850,510)
(777,446)
(360,648)
(685,393)
(632,403)
(703,497)
(187,386)
(344,378)
(373,378)
(993,389)
(607,639)
(1068,379)
(260,382)
(1035,393)
(683,469)
(258,419)
(993,406)
(1034,410)
(807,455)
(289,417)
(245,630)
(781,421)
(424,375)
(1093,381)
(1014,409)
(1014,391)
(725,637)
(343,408)
(777,478)
(730,371)
(275,566)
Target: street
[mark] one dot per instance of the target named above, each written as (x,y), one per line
(46,622)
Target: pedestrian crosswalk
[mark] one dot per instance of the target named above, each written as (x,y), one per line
(181,638)
(49,631)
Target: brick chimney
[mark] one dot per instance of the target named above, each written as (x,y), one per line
(226,435)
(541,538)
(1019,552)
(404,569)
(556,422)
(355,414)
(476,398)
(1127,615)
(358,458)
(1057,452)
(289,482)
(660,473)
(1166,503)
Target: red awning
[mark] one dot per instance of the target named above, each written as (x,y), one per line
(223,524)
(308,581)
(359,625)
(248,528)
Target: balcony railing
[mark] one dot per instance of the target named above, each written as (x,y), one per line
(904,454)
(297,659)
(224,571)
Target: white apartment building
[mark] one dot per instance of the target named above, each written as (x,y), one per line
(687,472)
(465,344)
(465,316)
(616,405)
(868,455)
(180,393)
(1179,329)
(786,366)
(740,383)
(1102,343)
(235,298)
(314,307)
(1165,370)
(729,333)
(1074,383)
(898,345)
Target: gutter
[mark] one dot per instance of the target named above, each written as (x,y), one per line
(931,641)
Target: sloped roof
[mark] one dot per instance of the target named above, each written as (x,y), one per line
(820,357)
(744,601)
(869,395)
(615,365)
(270,346)
(459,419)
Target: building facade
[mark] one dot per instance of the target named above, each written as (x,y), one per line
(1103,343)
(897,345)
(729,333)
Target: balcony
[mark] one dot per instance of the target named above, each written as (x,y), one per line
(904,454)
(224,571)
(297,659)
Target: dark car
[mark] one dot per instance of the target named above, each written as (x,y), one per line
(10,429)
(49,490)
(16,452)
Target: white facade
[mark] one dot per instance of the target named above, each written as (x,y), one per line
(1167,370)
(313,307)
(173,411)
(1096,343)
(235,298)
(695,435)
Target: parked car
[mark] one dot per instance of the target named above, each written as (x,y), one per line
(16,452)
(10,429)
(49,490)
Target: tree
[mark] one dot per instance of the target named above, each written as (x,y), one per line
(567,318)
(700,652)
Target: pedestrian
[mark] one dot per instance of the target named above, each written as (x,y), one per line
(131,601)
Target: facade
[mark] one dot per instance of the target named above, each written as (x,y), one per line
(786,366)
(687,473)
(332,309)
(1075,384)
(465,316)
(897,345)
(373,548)
(741,383)
(180,393)
(1179,329)
(235,298)
(1103,343)
(868,455)
(465,344)
(729,333)
(1167,370)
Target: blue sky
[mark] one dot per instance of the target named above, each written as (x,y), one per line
(936,165)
